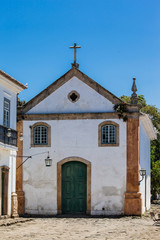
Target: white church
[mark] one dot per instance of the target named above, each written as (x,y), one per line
(100,162)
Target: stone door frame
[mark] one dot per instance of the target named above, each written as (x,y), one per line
(4,195)
(59,182)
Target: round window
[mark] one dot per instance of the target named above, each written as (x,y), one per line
(73,96)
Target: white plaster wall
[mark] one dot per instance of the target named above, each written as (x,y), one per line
(58,102)
(145,164)
(12,96)
(4,157)
(7,153)
(75,138)
(12,166)
(8,158)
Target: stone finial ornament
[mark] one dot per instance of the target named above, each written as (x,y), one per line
(134,98)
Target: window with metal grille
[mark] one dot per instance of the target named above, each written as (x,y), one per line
(6,113)
(108,134)
(40,135)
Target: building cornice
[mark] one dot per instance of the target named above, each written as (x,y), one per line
(74,116)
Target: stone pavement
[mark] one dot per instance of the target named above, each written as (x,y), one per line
(91,228)
(80,228)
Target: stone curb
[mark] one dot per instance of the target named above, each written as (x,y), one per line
(10,221)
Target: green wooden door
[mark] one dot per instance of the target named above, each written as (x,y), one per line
(74,188)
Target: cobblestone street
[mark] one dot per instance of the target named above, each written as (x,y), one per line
(80,228)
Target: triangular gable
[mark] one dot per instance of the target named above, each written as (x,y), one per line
(65,78)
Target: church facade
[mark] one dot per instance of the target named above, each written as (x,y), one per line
(96,154)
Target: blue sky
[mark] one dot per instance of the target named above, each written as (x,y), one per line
(120,39)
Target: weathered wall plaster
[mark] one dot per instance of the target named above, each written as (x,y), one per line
(75,138)
(79,138)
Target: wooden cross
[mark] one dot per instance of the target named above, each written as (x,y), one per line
(75,64)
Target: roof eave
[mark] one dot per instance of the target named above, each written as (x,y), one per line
(148,126)
(13,80)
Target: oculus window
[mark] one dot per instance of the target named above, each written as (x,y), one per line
(73,96)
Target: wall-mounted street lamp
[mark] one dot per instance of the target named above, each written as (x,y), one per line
(142,174)
(9,133)
(21,137)
(48,160)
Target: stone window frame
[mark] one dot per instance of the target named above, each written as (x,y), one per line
(100,144)
(70,93)
(32,134)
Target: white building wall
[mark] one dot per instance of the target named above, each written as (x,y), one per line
(6,151)
(58,102)
(8,158)
(12,96)
(75,138)
(9,90)
(145,164)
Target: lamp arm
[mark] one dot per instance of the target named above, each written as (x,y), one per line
(141,179)
(142,174)
(24,161)
(27,157)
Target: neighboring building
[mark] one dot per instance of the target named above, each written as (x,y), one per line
(9,88)
(97,156)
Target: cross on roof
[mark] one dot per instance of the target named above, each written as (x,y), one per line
(75,64)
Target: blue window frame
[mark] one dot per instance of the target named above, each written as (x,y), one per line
(40,135)
(108,134)
(6,113)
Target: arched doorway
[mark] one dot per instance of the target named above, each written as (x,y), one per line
(4,190)
(74,186)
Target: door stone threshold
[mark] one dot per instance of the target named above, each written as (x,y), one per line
(69,216)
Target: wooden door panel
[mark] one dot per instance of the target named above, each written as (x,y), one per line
(74,177)
(81,189)
(4,204)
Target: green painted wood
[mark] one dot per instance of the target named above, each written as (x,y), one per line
(74,188)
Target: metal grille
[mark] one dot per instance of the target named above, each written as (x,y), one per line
(108,134)
(12,140)
(40,135)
